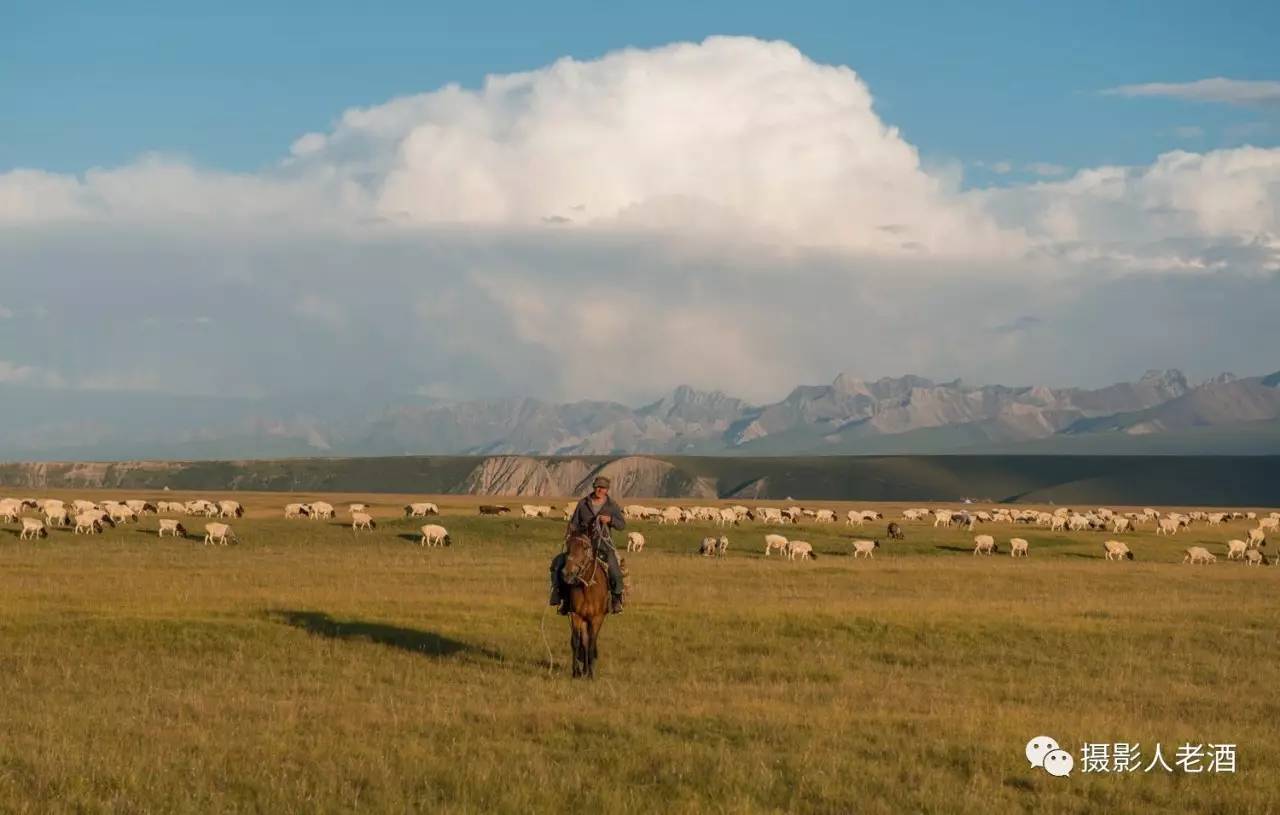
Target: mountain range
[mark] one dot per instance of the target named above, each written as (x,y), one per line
(1160,413)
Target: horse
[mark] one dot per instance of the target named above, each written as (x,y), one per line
(586,581)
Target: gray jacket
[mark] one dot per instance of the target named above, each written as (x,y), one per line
(583,520)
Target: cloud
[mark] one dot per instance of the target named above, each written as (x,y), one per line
(1217,89)
(1044,168)
(726,213)
(15,373)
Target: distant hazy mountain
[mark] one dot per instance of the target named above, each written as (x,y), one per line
(1159,413)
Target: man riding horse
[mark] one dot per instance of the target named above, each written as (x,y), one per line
(594,516)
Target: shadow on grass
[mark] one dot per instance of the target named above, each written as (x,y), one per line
(966,549)
(412,640)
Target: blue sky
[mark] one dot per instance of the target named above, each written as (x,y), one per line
(231,85)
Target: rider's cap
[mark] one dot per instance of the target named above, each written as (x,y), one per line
(600,481)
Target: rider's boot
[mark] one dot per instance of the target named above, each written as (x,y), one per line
(617,604)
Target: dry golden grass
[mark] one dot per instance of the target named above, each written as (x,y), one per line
(313,669)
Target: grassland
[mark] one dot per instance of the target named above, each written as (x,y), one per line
(310,669)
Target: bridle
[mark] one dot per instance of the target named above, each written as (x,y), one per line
(594,542)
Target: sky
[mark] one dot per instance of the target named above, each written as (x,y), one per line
(606,201)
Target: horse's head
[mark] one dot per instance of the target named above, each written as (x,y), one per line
(579,561)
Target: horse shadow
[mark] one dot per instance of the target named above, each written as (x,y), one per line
(965,549)
(411,537)
(412,640)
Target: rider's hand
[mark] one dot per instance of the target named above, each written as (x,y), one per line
(605,519)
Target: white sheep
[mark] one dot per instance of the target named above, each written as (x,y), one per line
(435,535)
(1018,547)
(56,516)
(825,516)
(421,510)
(727,516)
(1168,526)
(800,549)
(855,517)
(1117,550)
(865,548)
(88,523)
(1257,538)
(1198,554)
(323,510)
(354,508)
(173,527)
(230,509)
(33,528)
(1254,557)
(984,544)
(635,542)
(772,542)
(362,520)
(296,511)
(708,547)
(1236,549)
(722,546)
(671,515)
(1119,525)
(218,533)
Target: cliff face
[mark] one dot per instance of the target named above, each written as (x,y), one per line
(1243,480)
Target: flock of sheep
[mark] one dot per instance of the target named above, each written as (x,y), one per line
(90,517)
(1060,520)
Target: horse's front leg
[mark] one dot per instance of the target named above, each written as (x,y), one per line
(578,642)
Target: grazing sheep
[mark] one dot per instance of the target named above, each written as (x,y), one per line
(218,533)
(855,517)
(173,527)
(230,509)
(435,535)
(895,532)
(1198,554)
(530,511)
(800,549)
(88,524)
(1236,549)
(141,507)
(722,546)
(10,511)
(1168,526)
(362,520)
(825,516)
(727,516)
(1117,550)
(984,544)
(867,548)
(1269,523)
(56,516)
(708,547)
(33,528)
(119,513)
(671,515)
(1257,538)
(1018,547)
(635,542)
(1254,557)
(354,508)
(942,516)
(296,511)
(423,509)
(772,542)
(323,510)
(1119,525)
(494,509)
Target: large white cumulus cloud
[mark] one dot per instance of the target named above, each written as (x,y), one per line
(727,213)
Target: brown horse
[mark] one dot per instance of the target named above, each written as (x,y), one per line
(586,580)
